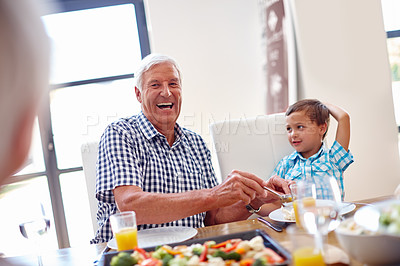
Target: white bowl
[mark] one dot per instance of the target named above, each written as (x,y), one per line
(369,247)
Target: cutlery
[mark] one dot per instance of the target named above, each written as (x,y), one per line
(273,226)
(286,198)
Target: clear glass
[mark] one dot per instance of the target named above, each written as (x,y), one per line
(35,161)
(124,229)
(76,206)
(93,43)
(304,247)
(19,200)
(35,227)
(80,114)
(318,213)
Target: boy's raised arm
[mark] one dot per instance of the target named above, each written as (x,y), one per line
(343,127)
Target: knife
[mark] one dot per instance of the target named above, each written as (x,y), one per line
(285,198)
(273,226)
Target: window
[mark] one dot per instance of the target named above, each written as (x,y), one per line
(96,47)
(392,26)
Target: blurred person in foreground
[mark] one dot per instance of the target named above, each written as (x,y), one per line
(24,68)
(149,164)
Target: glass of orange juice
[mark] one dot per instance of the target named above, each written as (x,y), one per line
(123,225)
(293,192)
(305,247)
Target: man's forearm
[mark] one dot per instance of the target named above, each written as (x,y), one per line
(155,208)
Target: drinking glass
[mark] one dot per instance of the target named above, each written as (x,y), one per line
(293,192)
(35,228)
(123,225)
(304,249)
(318,206)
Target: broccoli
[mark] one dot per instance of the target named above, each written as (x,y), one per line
(123,259)
(159,254)
(227,256)
(198,250)
(260,262)
(166,259)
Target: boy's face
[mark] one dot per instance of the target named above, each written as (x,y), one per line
(304,135)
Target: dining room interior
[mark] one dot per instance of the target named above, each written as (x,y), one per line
(338,51)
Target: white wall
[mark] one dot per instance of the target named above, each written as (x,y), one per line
(342,56)
(217,44)
(343,59)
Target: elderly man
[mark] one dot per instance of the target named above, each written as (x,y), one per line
(149,164)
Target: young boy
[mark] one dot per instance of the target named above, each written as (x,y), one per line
(307,123)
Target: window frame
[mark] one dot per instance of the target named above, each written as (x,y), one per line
(389,35)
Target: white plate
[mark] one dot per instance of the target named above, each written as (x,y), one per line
(277,215)
(160,236)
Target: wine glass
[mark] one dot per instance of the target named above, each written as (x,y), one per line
(318,203)
(36,226)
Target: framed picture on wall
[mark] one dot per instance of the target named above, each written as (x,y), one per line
(280,55)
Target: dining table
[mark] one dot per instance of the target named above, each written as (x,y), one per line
(91,254)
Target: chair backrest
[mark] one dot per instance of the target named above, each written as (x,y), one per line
(89,153)
(253,145)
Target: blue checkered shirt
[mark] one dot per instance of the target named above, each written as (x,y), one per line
(133,152)
(333,161)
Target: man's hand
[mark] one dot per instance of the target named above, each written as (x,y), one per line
(278,184)
(239,186)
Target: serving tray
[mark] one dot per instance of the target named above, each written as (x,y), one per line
(268,242)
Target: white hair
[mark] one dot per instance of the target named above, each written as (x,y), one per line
(24,65)
(150,61)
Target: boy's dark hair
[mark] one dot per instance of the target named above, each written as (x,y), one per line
(314,109)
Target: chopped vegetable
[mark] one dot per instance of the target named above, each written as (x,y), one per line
(171,251)
(151,262)
(233,252)
(203,256)
(247,262)
(197,250)
(260,262)
(142,252)
(222,244)
(232,246)
(390,219)
(166,259)
(123,259)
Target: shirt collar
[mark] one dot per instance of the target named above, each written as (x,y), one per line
(296,155)
(150,131)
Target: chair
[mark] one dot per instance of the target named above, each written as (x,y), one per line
(89,153)
(253,145)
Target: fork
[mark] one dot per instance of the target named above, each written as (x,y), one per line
(286,198)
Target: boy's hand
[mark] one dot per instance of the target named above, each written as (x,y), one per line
(343,127)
